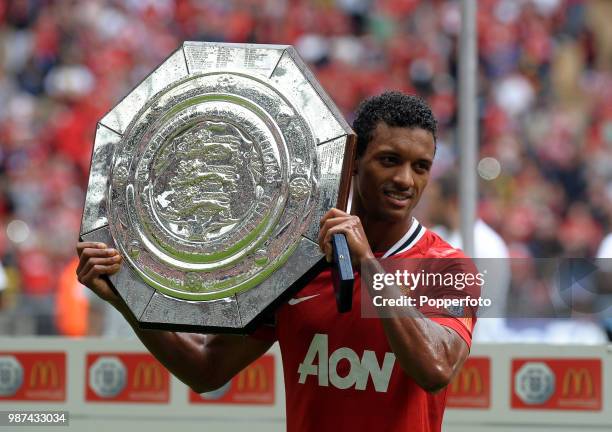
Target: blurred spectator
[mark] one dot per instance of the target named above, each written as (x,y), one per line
(78,312)
(490,251)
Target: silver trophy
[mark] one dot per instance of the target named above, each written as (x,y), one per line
(210,178)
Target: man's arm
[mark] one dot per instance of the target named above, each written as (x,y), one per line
(428,352)
(203,362)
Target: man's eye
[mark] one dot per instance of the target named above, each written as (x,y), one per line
(388,160)
(422,167)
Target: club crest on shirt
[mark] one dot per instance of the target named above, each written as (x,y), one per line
(456,311)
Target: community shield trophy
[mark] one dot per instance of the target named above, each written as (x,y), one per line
(210,178)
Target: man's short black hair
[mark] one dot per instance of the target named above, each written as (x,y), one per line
(396,110)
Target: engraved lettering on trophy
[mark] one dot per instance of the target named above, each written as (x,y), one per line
(200,57)
(224,56)
(256,59)
(199,192)
(330,159)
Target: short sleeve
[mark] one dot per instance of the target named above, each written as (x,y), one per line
(452,301)
(462,326)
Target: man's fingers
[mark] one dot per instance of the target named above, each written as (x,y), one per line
(93,245)
(96,260)
(108,261)
(327,225)
(98,252)
(334,221)
(326,216)
(332,213)
(96,271)
(89,253)
(326,242)
(338,229)
(324,236)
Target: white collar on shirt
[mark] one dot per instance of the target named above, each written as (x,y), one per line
(408,240)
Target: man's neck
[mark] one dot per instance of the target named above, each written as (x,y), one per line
(381,234)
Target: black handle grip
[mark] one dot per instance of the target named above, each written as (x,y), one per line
(342,273)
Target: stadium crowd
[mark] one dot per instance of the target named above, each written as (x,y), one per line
(545,109)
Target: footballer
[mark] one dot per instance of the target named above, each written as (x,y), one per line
(342,371)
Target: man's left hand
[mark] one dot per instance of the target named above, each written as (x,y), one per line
(338,222)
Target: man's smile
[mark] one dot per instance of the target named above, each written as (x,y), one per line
(398,198)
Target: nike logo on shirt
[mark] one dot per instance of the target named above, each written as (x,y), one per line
(294,301)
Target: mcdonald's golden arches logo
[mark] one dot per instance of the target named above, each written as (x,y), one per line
(253,379)
(577,383)
(471,388)
(254,385)
(469,381)
(148,376)
(44,374)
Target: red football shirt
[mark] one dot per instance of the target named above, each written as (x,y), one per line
(340,373)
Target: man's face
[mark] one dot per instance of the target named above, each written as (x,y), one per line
(393,172)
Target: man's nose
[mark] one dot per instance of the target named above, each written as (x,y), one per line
(404,177)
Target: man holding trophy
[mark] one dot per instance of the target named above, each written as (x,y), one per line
(341,370)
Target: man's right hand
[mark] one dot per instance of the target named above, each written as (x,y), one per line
(95,260)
